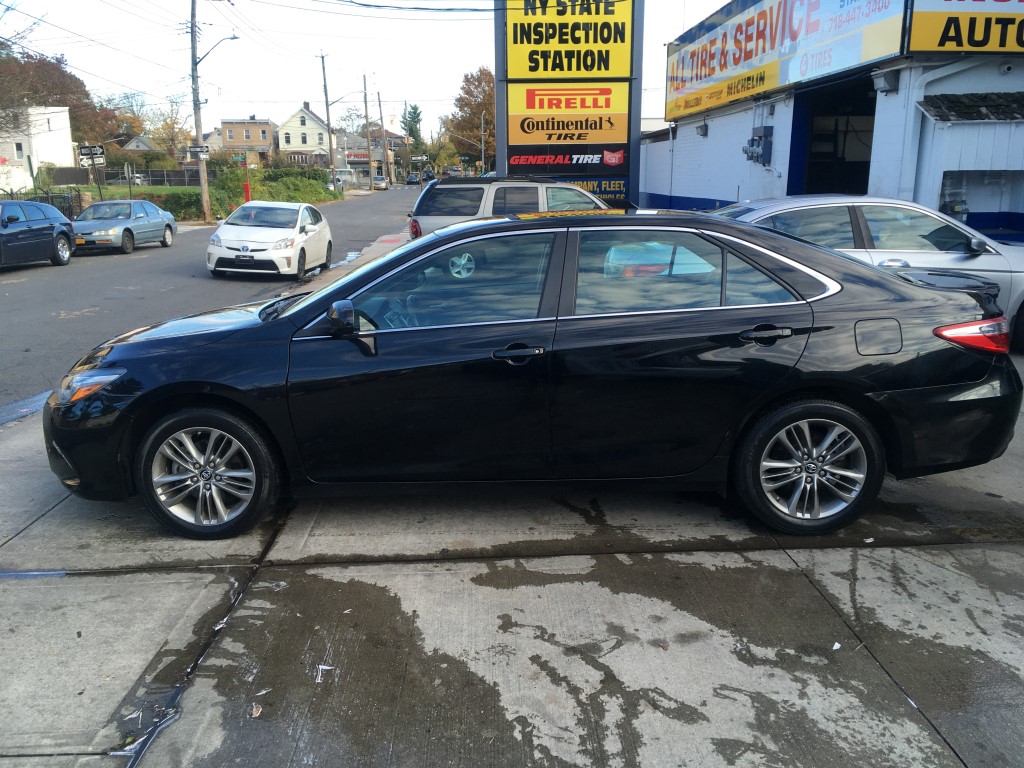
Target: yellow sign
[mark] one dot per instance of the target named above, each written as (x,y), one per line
(569,39)
(983,26)
(594,112)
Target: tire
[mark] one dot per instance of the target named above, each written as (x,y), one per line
(217,273)
(1017,331)
(817,490)
(168,238)
(178,473)
(127,242)
(329,258)
(300,268)
(61,251)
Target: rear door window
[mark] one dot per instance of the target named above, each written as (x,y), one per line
(452,201)
(902,229)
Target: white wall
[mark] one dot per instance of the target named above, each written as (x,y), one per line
(692,170)
(45,138)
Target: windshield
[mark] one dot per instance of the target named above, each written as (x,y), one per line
(357,273)
(106,211)
(264,216)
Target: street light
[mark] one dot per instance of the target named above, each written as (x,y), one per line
(204,185)
(470,141)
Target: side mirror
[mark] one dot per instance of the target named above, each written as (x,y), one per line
(342,317)
(12,218)
(309,229)
(977,246)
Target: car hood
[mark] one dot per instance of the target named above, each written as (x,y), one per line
(196,330)
(232,233)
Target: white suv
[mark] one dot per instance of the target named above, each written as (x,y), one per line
(447,201)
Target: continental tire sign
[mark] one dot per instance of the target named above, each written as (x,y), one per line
(578,113)
(569,39)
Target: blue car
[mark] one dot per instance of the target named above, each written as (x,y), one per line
(123,224)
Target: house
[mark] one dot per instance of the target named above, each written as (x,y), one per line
(303,138)
(39,136)
(143,144)
(252,138)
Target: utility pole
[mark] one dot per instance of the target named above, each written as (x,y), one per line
(366,119)
(383,142)
(330,131)
(204,184)
(483,143)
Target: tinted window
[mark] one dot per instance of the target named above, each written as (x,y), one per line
(260,216)
(829,226)
(490,280)
(632,271)
(306,217)
(138,210)
(9,209)
(33,212)
(903,229)
(451,201)
(566,199)
(516,200)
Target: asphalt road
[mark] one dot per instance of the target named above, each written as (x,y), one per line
(54,315)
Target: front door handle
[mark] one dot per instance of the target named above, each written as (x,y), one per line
(517,354)
(763,335)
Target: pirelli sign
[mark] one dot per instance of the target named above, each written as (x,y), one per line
(568,77)
(576,113)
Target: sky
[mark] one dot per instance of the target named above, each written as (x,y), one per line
(410,51)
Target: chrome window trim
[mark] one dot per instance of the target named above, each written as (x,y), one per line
(492,236)
(367,334)
(832,287)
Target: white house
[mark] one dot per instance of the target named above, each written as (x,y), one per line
(303,138)
(41,135)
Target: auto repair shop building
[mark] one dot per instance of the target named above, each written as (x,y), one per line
(914,99)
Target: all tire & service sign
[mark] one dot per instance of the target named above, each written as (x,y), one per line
(568,91)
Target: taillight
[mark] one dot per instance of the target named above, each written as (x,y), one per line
(991,335)
(414,229)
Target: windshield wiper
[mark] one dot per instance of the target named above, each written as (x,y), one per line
(276,307)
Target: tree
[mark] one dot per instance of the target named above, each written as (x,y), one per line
(412,119)
(127,115)
(170,128)
(476,98)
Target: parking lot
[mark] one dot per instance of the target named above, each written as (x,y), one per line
(578,625)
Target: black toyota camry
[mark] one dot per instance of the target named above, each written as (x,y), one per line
(551,347)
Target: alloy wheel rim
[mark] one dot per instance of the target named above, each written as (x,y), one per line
(813,469)
(462,266)
(203,476)
(63,249)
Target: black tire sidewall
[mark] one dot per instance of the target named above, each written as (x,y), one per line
(127,243)
(168,238)
(746,470)
(266,482)
(328,257)
(300,266)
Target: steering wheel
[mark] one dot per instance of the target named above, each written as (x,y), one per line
(396,315)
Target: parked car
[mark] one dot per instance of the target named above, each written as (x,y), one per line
(451,200)
(123,224)
(428,175)
(380,182)
(34,232)
(793,377)
(412,178)
(276,238)
(896,234)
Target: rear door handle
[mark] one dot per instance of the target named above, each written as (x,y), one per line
(517,354)
(765,335)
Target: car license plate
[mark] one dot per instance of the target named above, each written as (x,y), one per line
(243,258)
(79,241)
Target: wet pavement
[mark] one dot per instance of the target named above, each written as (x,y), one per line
(540,626)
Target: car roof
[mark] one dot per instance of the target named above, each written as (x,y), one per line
(454,181)
(800,200)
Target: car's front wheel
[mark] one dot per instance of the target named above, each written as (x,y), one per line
(809,466)
(206,474)
(168,238)
(328,257)
(300,267)
(127,242)
(61,251)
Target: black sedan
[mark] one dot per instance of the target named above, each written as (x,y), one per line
(32,231)
(581,347)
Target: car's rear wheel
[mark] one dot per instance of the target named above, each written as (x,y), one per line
(809,466)
(168,238)
(206,473)
(61,251)
(300,267)
(127,242)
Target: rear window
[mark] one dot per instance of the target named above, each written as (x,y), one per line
(451,201)
(733,211)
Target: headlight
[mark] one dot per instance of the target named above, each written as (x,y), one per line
(215,239)
(75,386)
(106,231)
(288,242)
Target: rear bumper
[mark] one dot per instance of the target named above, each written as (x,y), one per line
(946,428)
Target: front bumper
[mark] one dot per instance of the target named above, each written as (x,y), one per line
(96,242)
(88,448)
(281,261)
